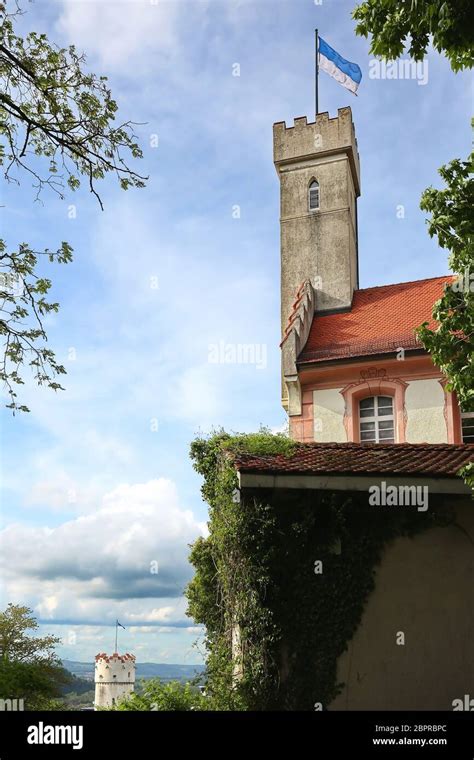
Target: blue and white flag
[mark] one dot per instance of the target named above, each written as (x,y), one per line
(346,73)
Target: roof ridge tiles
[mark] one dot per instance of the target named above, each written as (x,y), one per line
(445,277)
(432,459)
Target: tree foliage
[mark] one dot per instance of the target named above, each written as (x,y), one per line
(39,684)
(24,304)
(158,696)
(58,127)
(16,645)
(394,24)
(451,343)
(29,666)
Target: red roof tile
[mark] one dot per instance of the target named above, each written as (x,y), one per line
(382,319)
(432,459)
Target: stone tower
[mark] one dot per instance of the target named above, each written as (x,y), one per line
(318,167)
(114,678)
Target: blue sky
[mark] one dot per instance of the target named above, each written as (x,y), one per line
(97,482)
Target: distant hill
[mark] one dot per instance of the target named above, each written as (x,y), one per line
(163,670)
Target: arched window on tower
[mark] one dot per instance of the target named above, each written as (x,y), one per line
(313,196)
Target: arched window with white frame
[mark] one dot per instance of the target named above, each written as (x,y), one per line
(313,196)
(376,420)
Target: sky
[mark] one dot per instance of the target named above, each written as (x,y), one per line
(99,498)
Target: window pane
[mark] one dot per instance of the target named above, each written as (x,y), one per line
(366,407)
(313,198)
(385,405)
(376,419)
(468,429)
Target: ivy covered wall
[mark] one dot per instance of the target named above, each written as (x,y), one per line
(282,580)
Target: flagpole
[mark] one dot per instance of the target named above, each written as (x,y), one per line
(317,73)
(116,635)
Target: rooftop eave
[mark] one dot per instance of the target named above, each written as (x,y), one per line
(447,485)
(303,363)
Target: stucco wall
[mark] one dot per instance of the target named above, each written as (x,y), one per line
(424,403)
(109,694)
(318,246)
(424,588)
(328,410)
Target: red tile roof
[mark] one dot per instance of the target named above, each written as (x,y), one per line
(431,459)
(382,319)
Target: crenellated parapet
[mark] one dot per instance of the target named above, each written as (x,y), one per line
(305,141)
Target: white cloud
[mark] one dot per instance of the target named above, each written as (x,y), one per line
(58,491)
(124,34)
(122,559)
(157,615)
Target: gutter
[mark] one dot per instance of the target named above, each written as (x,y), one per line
(449,485)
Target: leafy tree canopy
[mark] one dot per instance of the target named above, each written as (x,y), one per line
(16,645)
(451,344)
(29,667)
(58,128)
(158,696)
(395,23)
(39,685)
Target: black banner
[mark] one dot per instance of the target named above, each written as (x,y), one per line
(373,734)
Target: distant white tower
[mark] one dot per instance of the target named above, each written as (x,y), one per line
(114,678)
